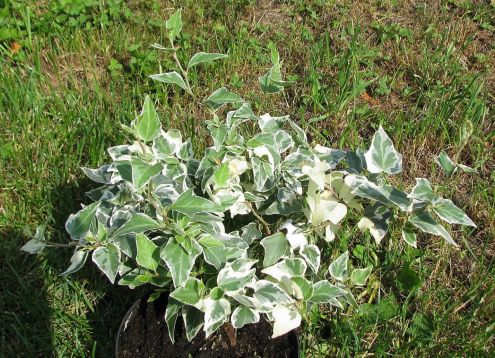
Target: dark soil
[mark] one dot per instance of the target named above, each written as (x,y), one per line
(146,336)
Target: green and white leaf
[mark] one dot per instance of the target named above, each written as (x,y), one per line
(312,255)
(77,225)
(137,224)
(193,321)
(147,125)
(77,261)
(189,204)
(285,320)
(382,156)
(360,276)
(446,163)
(190,292)
(174,25)
(409,237)
(450,213)
(325,292)
(221,97)
(216,313)
(243,315)
(202,57)
(422,191)
(338,268)
(425,222)
(108,261)
(173,78)
(148,254)
(178,260)
(171,314)
(275,247)
(286,268)
(269,293)
(235,275)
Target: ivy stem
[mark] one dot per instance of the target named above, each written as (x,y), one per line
(55,244)
(184,72)
(260,219)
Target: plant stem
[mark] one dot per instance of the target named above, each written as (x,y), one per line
(260,219)
(54,244)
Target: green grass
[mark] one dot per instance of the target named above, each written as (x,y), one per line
(420,71)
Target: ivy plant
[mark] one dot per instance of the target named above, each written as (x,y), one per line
(238,233)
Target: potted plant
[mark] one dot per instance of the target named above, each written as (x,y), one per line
(236,236)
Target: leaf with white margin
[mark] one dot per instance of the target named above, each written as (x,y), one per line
(167,143)
(243,315)
(287,267)
(330,231)
(216,313)
(222,175)
(202,57)
(450,213)
(317,173)
(338,268)
(189,204)
(296,239)
(148,124)
(446,163)
(76,262)
(322,207)
(409,237)
(263,172)
(252,302)
(298,287)
(171,78)
(178,260)
(235,275)
(37,243)
(100,175)
(190,292)
(148,254)
(222,96)
(275,247)
(250,233)
(376,220)
(138,223)
(285,320)
(330,156)
(422,191)
(312,255)
(108,261)
(360,276)
(171,314)
(382,156)
(193,321)
(77,225)
(142,172)
(215,256)
(425,222)
(267,292)
(325,292)
(174,24)
(385,194)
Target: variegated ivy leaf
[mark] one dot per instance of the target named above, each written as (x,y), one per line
(100,175)
(330,156)
(171,313)
(189,204)
(385,194)
(243,315)
(272,82)
(275,247)
(294,235)
(285,320)
(190,292)
(138,223)
(216,313)
(325,292)
(287,267)
(382,156)
(194,319)
(312,255)
(174,25)
(422,191)
(173,78)
(323,207)
(450,213)
(409,237)
(338,268)
(235,275)
(222,175)
(148,254)
(376,220)
(77,225)
(77,261)
(37,242)
(446,163)
(178,260)
(360,276)
(203,57)
(264,179)
(147,125)
(108,261)
(250,233)
(167,143)
(425,222)
(222,96)
(138,172)
(300,288)
(268,293)
(317,173)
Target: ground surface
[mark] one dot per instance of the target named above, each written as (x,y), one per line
(71,71)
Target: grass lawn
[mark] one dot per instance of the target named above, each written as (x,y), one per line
(69,74)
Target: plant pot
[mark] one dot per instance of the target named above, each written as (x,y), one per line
(143,333)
